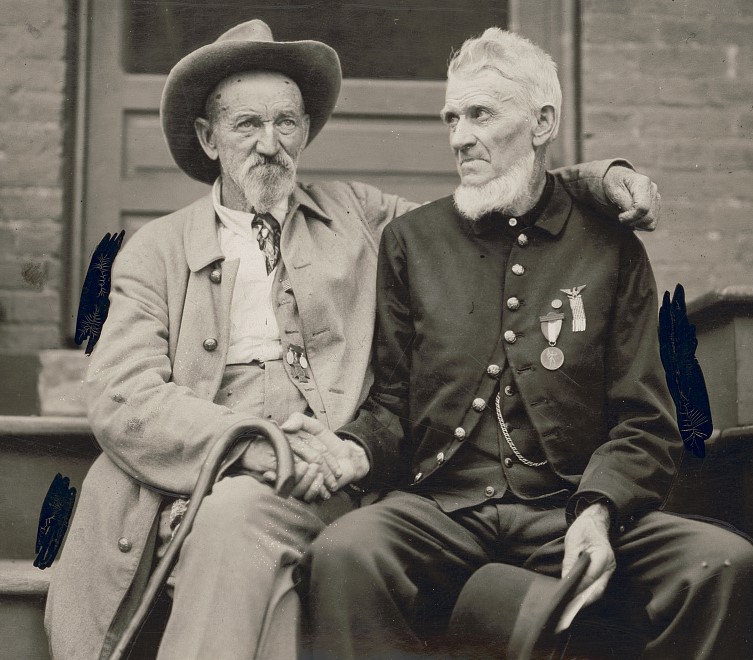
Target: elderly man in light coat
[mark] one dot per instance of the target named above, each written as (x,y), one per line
(256,300)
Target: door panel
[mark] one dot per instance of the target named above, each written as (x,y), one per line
(384,131)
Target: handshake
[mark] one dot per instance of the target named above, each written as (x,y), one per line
(324,463)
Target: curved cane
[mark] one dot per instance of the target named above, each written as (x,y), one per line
(283,486)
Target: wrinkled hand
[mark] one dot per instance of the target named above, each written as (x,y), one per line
(316,472)
(590,533)
(636,195)
(350,457)
(259,457)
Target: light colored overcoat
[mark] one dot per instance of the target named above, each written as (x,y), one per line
(152,380)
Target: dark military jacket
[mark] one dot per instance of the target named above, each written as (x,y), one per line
(450,306)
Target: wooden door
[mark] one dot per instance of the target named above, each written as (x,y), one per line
(385,129)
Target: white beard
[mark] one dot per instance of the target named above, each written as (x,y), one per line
(264,185)
(509,193)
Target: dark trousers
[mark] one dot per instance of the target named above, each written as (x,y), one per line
(382,580)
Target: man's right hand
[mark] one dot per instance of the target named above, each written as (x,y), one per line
(351,458)
(316,472)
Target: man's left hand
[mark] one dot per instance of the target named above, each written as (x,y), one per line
(636,195)
(350,458)
(590,533)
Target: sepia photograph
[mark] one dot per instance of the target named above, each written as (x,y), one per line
(376,329)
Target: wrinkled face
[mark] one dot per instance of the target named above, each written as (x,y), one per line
(257,128)
(489,129)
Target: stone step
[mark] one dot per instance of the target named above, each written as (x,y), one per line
(23,589)
(32,451)
(19,577)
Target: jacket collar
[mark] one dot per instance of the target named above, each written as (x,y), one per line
(551,218)
(554,217)
(200,231)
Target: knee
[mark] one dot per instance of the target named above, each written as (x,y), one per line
(233,504)
(733,554)
(722,559)
(351,545)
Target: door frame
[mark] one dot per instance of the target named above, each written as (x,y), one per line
(97,177)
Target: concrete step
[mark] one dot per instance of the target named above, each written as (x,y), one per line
(23,589)
(32,451)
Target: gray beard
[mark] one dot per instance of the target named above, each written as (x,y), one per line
(265,186)
(510,193)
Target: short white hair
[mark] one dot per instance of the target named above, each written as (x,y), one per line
(517,59)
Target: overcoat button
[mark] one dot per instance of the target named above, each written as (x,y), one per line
(513,222)
(417,477)
(478,404)
(510,336)
(489,491)
(210,344)
(517,269)
(513,303)
(493,370)
(508,462)
(124,545)
(509,391)
(522,240)
(459,433)
(440,458)
(216,276)
(622,529)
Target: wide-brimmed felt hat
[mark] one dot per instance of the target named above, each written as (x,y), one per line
(510,612)
(312,65)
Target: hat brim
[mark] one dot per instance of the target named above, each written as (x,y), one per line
(312,65)
(506,611)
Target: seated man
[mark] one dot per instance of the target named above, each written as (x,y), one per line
(254,300)
(520,412)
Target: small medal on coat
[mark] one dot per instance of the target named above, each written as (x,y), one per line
(552,358)
(296,358)
(576,306)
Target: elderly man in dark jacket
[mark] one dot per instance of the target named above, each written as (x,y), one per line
(520,411)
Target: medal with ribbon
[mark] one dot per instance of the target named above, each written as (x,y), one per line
(576,306)
(552,357)
(296,358)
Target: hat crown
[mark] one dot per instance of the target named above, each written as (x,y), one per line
(254,30)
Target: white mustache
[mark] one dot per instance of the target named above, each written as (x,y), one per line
(280,160)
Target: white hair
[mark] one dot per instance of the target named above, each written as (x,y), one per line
(517,59)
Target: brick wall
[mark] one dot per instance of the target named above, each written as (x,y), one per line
(32,82)
(669,84)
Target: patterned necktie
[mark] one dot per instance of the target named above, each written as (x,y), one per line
(268,238)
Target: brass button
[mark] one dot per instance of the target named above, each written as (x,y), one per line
(489,491)
(622,529)
(493,370)
(216,276)
(440,458)
(478,404)
(513,222)
(417,477)
(510,336)
(508,462)
(124,545)
(509,391)
(556,303)
(517,269)
(513,303)
(210,344)
(522,240)
(459,433)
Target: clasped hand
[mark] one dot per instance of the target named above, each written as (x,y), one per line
(324,463)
